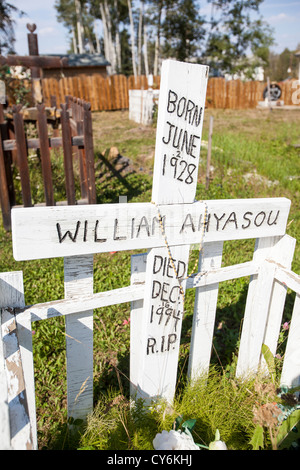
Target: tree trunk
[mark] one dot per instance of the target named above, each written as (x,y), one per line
(118,42)
(98,48)
(79,26)
(112,52)
(140,38)
(157,40)
(146,51)
(105,37)
(132,38)
(74,40)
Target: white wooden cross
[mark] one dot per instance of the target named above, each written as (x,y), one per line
(78,232)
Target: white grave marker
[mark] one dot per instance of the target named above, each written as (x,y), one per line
(77,232)
(179,128)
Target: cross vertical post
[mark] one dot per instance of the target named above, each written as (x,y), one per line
(177,152)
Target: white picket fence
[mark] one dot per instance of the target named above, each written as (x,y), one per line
(270,277)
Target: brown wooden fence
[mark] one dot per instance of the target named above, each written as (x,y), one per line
(76,138)
(111,93)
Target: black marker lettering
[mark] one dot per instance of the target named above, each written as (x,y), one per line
(61,237)
(218,219)
(247,219)
(274,221)
(258,224)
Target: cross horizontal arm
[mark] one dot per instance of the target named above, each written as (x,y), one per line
(48,232)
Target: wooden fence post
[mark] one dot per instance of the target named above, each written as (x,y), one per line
(4,193)
(22,155)
(45,154)
(89,151)
(68,158)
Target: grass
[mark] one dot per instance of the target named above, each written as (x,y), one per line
(253,156)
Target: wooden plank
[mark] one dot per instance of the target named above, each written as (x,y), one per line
(4,193)
(183,90)
(204,313)
(257,306)
(79,338)
(19,378)
(89,152)
(290,375)
(45,155)
(22,155)
(34,143)
(135,225)
(7,157)
(33,61)
(284,256)
(21,438)
(134,292)
(68,160)
(288,278)
(138,270)
(4,409)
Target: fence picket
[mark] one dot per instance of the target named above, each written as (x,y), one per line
(257,306)
(45,154)
(22,155)
(204,312)
(284,256)
(289,376)
(78,278)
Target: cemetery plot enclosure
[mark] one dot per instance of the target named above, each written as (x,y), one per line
(75,138)
(167,226)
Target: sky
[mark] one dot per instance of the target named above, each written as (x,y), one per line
(282,16)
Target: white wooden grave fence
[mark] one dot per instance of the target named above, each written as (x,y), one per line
(168,227)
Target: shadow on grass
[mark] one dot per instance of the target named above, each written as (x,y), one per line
(116,177)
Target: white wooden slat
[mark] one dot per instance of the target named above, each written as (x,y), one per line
(78,272)
(138,269)
(283,254)
(174,181)
(11,289)
(20,362)
(290,375)
(204,313)
(76,230)
(24,332)
(288,278)
(20,429)
(257,308)
(216,275)
(4,409)
(131,293)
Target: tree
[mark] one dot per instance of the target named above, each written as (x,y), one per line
(282,66)
(234,35)
(7,34)
(183,30)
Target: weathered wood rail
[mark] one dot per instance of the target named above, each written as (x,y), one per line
(75,121)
